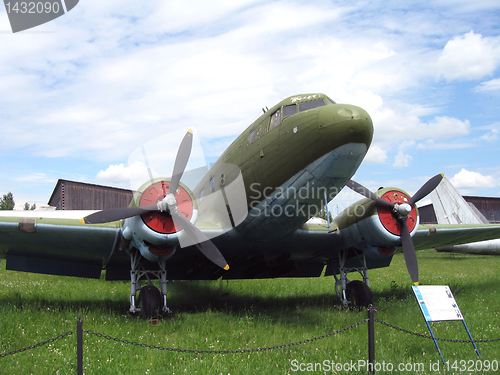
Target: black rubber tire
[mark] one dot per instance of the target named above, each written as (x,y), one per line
(359,294)
(150,301)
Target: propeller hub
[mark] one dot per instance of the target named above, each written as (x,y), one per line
(400,210)
(158,192)
(403,209)
(170,199)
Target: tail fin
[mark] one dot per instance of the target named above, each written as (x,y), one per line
(451,208)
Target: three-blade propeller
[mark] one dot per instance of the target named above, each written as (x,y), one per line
(401,212)
(168,204)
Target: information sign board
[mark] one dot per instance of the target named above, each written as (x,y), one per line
(437,303)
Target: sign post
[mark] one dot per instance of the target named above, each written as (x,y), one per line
(437,303)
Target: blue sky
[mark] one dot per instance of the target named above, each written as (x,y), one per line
(79,94)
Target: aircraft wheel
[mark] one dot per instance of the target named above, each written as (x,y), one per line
(150,301)
(359,294)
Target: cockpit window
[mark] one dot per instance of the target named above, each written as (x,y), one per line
(289,110)
(275,119)
(310,105)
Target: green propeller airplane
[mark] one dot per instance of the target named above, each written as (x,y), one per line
(248,217)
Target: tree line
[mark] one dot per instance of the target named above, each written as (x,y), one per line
(7,203)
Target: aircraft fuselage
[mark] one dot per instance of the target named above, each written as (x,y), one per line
(304,147)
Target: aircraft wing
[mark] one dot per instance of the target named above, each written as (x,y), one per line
(431,236)
(54,242)
(427,236)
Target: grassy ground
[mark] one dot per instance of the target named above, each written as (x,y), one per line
(247,314)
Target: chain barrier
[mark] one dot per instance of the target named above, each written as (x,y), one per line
(226,351)
(427,336)
(37,345)
(108,337)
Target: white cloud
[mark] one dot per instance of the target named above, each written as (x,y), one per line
(446,127)
(120,175)
(470,56)
(466,178)
(397,121)
(468,6)
(376,155)
(430,144)
(114,74)
(179,16)
(402,160)
(493,85)
(492,136)
(36,177)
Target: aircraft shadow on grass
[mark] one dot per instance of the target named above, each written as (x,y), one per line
(192,297)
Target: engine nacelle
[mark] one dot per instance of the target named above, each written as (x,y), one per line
(154,233)
(373,228)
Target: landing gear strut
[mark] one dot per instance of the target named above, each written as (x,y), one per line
(353,293)
(148,296)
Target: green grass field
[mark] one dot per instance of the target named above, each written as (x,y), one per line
(244,314)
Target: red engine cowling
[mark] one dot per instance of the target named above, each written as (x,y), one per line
(155,233)
(373,228)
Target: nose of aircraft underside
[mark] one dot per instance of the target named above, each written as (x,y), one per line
(345,123)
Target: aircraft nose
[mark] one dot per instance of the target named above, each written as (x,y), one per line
(347,122)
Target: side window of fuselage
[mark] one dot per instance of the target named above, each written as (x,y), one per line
(251,137)
(275,119)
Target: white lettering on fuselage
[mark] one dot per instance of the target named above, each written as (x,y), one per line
(307,97)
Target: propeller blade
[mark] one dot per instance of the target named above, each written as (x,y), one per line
(181,160)
(116,214)
(206,246)
(367,193)
(409,252)
(426,189)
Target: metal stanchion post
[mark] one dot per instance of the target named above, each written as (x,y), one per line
(371,340)
(79,348)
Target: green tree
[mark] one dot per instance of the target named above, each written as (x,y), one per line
(7,202)
(322,214)
(28,207)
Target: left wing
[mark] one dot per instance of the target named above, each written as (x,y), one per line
(383,221)
(329,244)
(431,236)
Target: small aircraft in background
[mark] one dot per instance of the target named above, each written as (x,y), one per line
(247,218)
(451,208)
